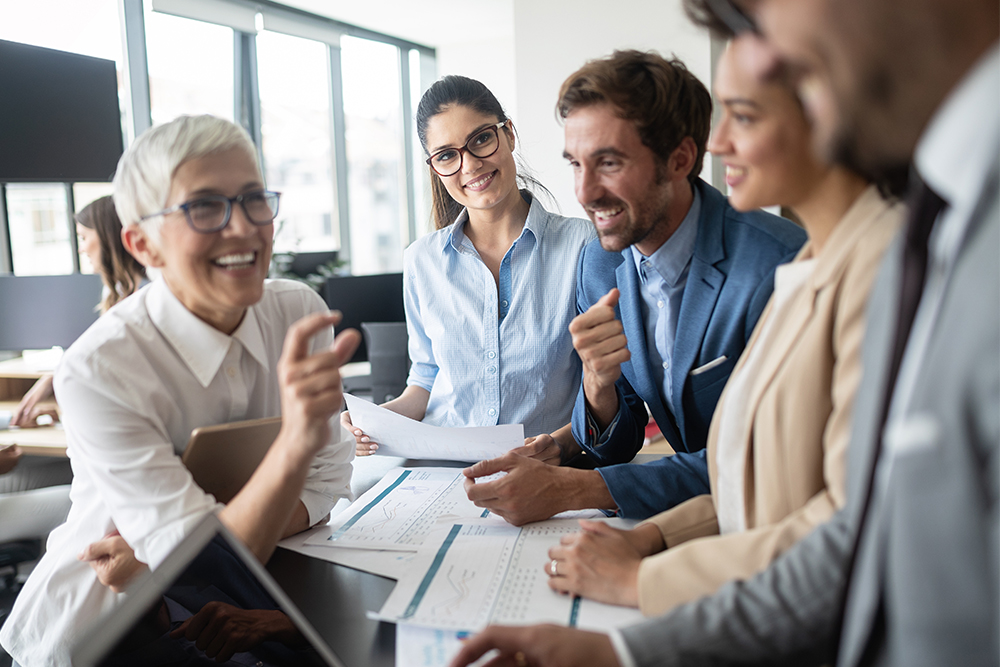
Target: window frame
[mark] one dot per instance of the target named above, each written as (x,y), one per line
(268,15)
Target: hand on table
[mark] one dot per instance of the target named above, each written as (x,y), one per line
(600,563)
(542,447)
(363,444)
(113,560)
(9,456)
(31,408)
(220,630)
(532,490)
(537,645)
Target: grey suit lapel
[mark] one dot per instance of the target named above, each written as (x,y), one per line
(867,578)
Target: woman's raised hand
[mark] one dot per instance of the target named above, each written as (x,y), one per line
(311,389)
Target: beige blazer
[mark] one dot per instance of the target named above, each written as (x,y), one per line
(798,423)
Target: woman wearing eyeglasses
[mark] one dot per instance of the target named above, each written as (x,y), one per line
(210,342)
(490,294)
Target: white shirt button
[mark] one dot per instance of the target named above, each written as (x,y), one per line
(504,303)
(659,304)
(492,412)
(492,369)
(666,365)
(491,354)
(231,372)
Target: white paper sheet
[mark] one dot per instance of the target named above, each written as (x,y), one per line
(478,572)
(399,511)
(430,647)
(397,435)
(390,564)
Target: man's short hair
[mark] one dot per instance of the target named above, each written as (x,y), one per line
(664,100)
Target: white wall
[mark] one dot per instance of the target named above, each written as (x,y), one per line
(553,38)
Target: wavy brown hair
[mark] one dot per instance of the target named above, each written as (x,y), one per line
(664,100)
(120,271)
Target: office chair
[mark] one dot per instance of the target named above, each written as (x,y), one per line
(13,554)
(388,357)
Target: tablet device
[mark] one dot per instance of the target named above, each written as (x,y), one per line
(222,458)
(209,577)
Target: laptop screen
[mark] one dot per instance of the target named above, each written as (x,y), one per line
(215,607)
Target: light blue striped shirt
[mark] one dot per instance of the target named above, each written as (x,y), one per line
(496,356)
(663,276)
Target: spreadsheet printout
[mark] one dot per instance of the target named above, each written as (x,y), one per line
(399,511)
(477,572)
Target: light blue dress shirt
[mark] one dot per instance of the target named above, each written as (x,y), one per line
(663,276)
(491,355)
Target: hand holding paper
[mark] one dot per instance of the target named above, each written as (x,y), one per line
(401,436)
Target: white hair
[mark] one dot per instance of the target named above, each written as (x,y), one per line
(145,171)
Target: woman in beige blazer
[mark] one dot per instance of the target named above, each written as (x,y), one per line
(777,444)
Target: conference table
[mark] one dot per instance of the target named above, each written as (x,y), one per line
(336,598)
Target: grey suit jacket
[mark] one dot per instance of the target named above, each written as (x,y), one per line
(929,551)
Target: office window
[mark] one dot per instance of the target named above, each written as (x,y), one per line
(420,172)
(375,158)
(88,28)
(39,229)
(190,67)
(339,144)
(296,119)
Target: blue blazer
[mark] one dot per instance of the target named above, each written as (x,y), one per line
(729,283)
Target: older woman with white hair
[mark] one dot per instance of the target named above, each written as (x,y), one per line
(210,342)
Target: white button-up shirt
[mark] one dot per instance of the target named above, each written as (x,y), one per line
(131,390)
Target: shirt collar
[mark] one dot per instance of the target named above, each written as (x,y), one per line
(534,226)
(671,258)
(954,156)
(201,346)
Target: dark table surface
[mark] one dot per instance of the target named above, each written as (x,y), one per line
(336,599)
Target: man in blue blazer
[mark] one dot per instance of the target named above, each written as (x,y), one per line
(668,294)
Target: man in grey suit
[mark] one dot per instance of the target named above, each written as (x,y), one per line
(908,572)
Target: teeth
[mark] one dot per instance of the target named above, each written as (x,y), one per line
(607,213)
(735,171)
(479,181)
(236,259)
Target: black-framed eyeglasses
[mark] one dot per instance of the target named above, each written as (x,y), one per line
(483,143)
(212,213)
(732,16)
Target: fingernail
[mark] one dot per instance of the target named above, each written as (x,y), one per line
(366,439)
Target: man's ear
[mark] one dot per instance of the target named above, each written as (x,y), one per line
(139,246)
(682,160)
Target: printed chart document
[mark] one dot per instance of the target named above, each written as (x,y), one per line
(427,647)
(397,435)
(477,572)
(399,512)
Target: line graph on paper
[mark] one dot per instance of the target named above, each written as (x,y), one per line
(399,511)
(481,573)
